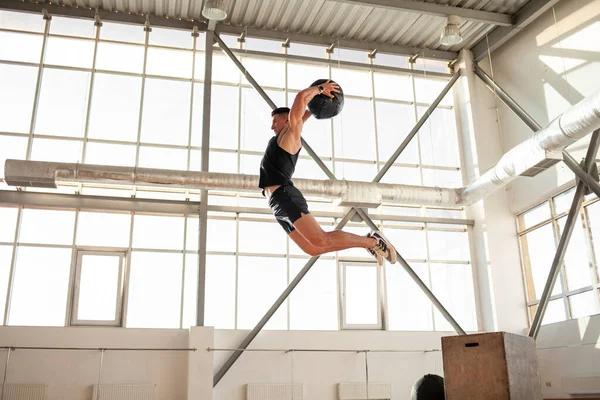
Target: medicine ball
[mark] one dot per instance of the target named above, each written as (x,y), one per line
(429,387)
(324,107)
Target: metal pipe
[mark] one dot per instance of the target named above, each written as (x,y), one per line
(417,280)
(587,179)
(250,337)
(539,151)
(564,238)
(48,174)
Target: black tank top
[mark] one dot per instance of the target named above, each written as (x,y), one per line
(277,166)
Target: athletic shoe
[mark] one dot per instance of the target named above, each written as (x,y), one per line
(384,247)
(372,252)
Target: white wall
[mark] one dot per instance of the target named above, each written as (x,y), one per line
(545,68)
(320,372)
(568,349)
(70,375)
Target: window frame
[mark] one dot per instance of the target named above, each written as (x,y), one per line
(381,303)
(123,255)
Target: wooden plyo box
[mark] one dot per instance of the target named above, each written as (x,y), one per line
(494,366)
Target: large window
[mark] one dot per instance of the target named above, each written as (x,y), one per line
(575,293)
(134,97)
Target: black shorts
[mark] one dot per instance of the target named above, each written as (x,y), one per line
(288,205)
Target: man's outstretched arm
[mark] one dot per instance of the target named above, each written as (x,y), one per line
(298,113)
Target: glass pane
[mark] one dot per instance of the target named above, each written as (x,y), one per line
(167,62)
(297,74)
(199,65)
(355,171)
(154,290)
(17,90)
(191,240)
(359,56)
(261,237)
(272,46)
(256,118)
(266,72)
(103,229)
(314,302)
(555,312)
(63,103)
(411,243)
(171,37)
(120,57)
(584,304)
(69,52)
(354,131)
(166,114)
(452,284)
(427,90)
(409,309)
(562,202)
(402,175)
(56,150)
(217,162)
(122,32)
(438,139)
(448,245)
(391,60)
(360,294)
(47,226)
(22,21)
(221,235)
(8,216)
(20,47)
(309,169)
(307,50)
(394,122)
(11,147)
(577,264)
(442,178)
(5,260)
(352,82)
(158,232)
(260,282)
(536,215)
(223,117)
(393,87)
(224,70)
(115,107)
(41,280)
(538,252)
(72,27)
(164,158)
(110,154)
(98,287)
(190,291)
(220,292)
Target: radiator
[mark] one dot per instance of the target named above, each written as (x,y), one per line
(581,385)
(274,391)
(358,391)
(124,392)
(24,392)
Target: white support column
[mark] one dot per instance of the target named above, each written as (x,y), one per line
(499,287)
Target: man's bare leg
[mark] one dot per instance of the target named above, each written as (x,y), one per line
(309,228)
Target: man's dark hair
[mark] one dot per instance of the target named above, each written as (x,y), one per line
(280,110)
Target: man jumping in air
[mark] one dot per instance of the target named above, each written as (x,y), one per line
(287,202)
